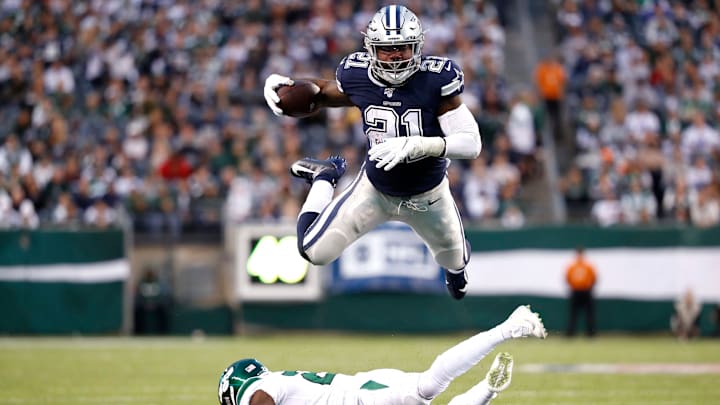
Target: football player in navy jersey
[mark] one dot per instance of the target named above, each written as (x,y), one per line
(415,122)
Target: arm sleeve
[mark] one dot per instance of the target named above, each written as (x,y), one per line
(462,134)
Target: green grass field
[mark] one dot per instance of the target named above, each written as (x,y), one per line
(185,371)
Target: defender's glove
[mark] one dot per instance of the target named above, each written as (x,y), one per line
(271,97)
(395,150)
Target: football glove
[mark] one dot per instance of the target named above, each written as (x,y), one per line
(395,150)
(271,97)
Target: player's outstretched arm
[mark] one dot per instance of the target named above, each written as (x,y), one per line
(327,96)
(330,95)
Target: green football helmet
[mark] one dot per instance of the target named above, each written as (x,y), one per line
(235,376)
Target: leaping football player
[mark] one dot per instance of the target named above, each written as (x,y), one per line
(415,122)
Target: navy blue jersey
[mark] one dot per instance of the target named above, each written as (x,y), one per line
(410,109)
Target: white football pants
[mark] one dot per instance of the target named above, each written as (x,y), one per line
(359,208)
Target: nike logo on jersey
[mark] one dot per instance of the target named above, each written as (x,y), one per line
(434,201)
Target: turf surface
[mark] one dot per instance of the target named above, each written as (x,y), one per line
(185,371)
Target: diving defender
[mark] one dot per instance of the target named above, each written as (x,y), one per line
(249,382)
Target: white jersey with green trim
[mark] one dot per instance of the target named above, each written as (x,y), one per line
(376,387)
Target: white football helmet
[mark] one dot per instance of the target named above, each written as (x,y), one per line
(391,26)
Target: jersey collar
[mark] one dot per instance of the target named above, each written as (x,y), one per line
(376,80)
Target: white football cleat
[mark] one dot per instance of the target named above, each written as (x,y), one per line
(523,323)
(500,373)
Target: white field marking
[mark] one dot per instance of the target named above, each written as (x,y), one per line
(631,368)
(85,342)
(92,390)
(116,399)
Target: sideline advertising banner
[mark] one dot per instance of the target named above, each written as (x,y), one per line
(389,258)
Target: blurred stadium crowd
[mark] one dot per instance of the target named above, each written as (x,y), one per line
(152,111)
(644,88)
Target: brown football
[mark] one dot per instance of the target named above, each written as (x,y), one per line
(298,100)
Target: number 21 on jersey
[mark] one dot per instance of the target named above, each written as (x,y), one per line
(384,122)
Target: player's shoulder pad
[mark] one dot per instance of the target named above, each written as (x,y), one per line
(445,74)
(352,69)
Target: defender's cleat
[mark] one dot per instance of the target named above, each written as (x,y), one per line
(500,373)
(456,283)
(330,169)
(522,323)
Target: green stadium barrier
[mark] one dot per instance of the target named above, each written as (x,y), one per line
(59,282)
(569,236)
(216,320)
(414,313)
(636,308)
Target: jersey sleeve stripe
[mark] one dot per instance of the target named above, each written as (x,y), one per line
(450,87)
(244,387)
(338,72)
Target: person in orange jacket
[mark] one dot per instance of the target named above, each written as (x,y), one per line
(581,279)
(551,80)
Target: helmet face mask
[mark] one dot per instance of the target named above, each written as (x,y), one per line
(394,58)
(398,30)
(235,376)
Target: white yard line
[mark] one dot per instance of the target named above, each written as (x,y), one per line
(627,368)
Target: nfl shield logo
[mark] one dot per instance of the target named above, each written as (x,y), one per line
(389,91)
